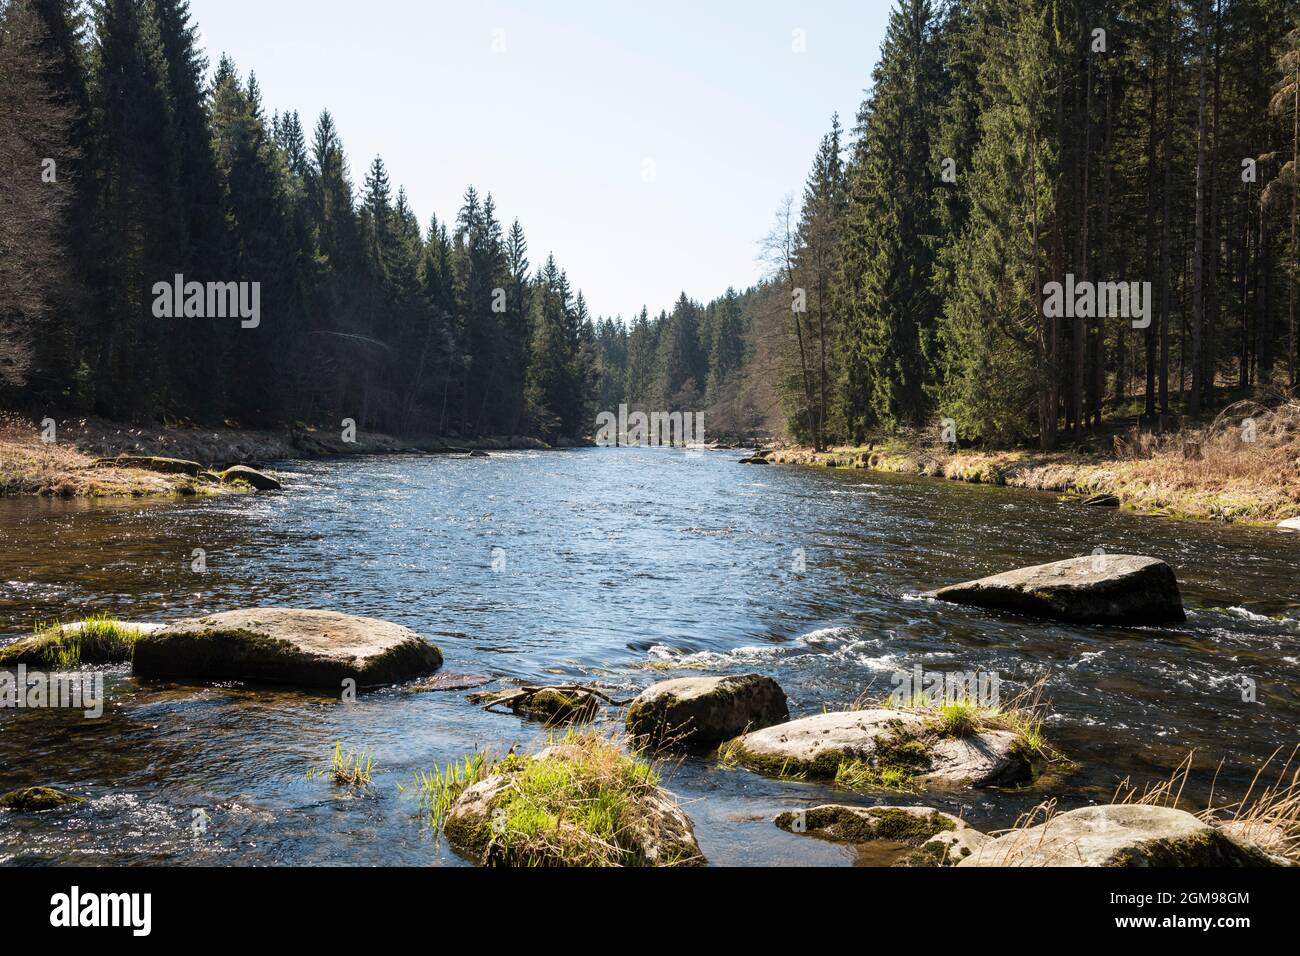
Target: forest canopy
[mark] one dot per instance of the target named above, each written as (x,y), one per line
(1004,147)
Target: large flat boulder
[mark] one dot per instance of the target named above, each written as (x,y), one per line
(1289,524)
(704,711)
(882,748)
(285,646)
(1117,835)
(166,466)
(1094,589)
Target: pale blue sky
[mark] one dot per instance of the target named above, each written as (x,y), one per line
(559,127)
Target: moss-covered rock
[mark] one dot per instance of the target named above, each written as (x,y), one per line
(37,799)
(847,824)
(283,646)
(582,802)
(881,749)
(704,711)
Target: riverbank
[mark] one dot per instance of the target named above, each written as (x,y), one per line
(76,463)
(1243,485)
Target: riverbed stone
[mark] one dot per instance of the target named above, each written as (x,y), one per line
(851,824)
(286,646)
(1289,524)
(704,711)
(37,799)
(1093,589)
(902,745)
(1117,835)
(259,480)
(658,831)
(947,848)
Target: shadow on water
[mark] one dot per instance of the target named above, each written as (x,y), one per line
(621,567)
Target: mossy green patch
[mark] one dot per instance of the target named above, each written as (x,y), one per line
(98,639)
(37,799)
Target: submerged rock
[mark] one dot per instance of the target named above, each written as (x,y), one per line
(259,480)
(754,460)
(1094,589)
(284,646)
(882,749)
(935,838)
(518,816)
(1117,835)
(37,799)
(847,824)
(704,711)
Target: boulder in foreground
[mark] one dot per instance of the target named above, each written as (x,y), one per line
(582,802)
(704,711)
(882,750)
(1094,589)
(284,646)
(1117,835)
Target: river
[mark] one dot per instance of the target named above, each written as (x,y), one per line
(620,567)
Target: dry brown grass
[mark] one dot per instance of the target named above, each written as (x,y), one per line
(1222,471)
(30,466)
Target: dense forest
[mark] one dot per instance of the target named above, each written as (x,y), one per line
(1004,145)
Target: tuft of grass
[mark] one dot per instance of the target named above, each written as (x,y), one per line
(728,754)
(350,770)
(863,777)
(99,639)
(1022,716)
(440,788)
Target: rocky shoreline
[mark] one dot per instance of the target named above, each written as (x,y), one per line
(93,458)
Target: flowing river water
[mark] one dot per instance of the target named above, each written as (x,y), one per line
(618,567)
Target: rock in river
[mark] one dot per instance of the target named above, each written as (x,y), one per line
(1117,835)
(936,838)
(883,749)
(37,799)
(703,711)
(283,646)
(536,811)
(259,480)
(1094,589)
